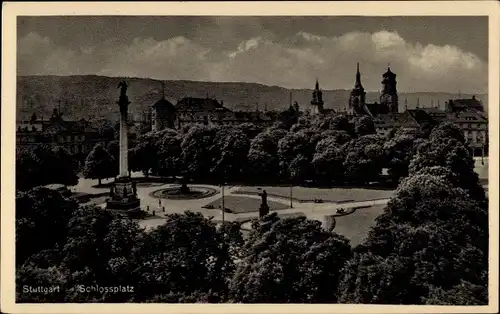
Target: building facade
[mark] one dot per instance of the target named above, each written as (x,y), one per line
(76,136)
(467,114)
(206,111)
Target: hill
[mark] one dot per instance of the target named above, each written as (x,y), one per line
(91,96)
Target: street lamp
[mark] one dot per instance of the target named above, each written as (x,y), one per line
(292,173)
(222,205)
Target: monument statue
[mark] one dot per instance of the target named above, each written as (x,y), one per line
(123,86)
(134,188)
(123,100)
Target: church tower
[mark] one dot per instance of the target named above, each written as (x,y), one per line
(358,94)
(163,114)
(317,100)
(389,96)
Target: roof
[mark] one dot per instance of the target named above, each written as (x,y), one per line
(431,110)
(71,126)
(163,103)
(404,119)
(241,116)
(472,103)
(420,116)
(376,109)
(199,104)
(36,126)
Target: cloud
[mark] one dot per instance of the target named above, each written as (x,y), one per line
(295,61)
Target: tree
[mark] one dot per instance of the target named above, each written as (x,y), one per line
(250,129)
(169,155)
(144,156)
(447,151)
(363,159)
(328,161)
(302,123)
(289,260)
(398,153)
(340,123)
(41,218)
(288,117)
(263,155)
(447,130)
(187,252)
(29,276)
(100,164)
(429,240)
(296,151)
(43,164)
(99,250)
(364,126)
(230,152)
(197,153)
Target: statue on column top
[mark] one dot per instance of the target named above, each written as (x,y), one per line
(123,86)
(123,102)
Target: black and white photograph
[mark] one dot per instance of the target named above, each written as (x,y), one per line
(253,159)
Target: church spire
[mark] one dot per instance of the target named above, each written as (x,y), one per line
(358,85)
(317,84)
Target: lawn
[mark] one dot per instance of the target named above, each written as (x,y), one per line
(328,195)
(356,226)
(241,204)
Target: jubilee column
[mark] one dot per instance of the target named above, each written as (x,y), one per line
(123,193)
(123,103)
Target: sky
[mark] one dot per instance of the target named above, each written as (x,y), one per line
(428,54)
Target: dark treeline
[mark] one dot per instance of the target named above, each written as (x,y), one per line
(430,246)
(320,151)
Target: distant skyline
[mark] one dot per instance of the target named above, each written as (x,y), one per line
(428,54)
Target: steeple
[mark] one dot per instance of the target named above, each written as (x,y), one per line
(317,99)
(358,85)
(357,98)
(389,96)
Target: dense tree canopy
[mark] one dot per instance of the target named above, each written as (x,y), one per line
(100,164)
(429,246)
(364,126)
(289,260)
(41,218)
(363,159)
(433,233)
(42,164)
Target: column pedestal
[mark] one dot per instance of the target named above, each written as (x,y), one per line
(123,196)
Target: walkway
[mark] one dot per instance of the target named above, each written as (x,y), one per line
(311,210)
